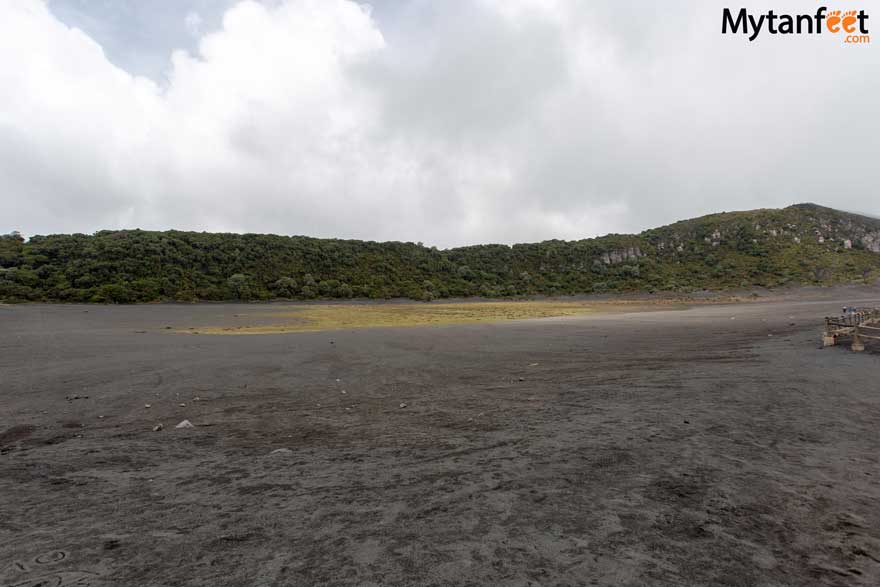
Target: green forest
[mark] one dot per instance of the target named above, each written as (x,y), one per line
(802,244)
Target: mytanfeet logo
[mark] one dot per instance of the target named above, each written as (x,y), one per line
(851,25)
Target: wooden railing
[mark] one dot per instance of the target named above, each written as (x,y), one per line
(858,323)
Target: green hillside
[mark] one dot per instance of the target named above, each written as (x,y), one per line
(802,244)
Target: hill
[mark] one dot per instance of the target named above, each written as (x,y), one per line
(801,244)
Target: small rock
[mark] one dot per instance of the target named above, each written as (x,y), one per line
(402,406)
(185,424)
(148,406)
(344,392)
(158,428)
(522,378)
(281,452)
(182,405)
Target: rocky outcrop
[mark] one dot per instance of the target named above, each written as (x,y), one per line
(871,241)
(621,255)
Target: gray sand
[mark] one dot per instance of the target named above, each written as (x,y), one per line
(664,448)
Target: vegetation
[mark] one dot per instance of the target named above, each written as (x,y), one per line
(801,244)
(317,317)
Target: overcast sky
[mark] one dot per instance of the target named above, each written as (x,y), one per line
(450,123)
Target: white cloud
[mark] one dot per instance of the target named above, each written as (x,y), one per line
(459,122)
(193,23)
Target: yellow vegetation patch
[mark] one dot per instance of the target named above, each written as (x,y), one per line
(317,317)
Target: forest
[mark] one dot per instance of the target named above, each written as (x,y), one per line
(802,244)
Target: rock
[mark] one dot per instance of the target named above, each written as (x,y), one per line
(620,255)
(158,428)
(402,405)
(522,378)
(281,452)
(182,405)
(147,406)
(185,424)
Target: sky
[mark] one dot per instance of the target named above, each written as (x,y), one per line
(448,123)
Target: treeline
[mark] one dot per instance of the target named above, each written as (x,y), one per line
(140,266)
(133,266)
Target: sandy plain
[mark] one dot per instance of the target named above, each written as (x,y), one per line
(644,444)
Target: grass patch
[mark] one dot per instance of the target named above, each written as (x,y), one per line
(319,317)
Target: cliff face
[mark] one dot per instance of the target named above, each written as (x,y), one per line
(617,256)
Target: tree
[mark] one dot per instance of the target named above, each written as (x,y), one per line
(140,266)
(286,287)
(240,286)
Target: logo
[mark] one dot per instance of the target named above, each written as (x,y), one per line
(851,25)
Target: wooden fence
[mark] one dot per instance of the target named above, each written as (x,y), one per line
(858,323)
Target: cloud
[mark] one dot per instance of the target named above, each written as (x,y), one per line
(453,123)
(193,23)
